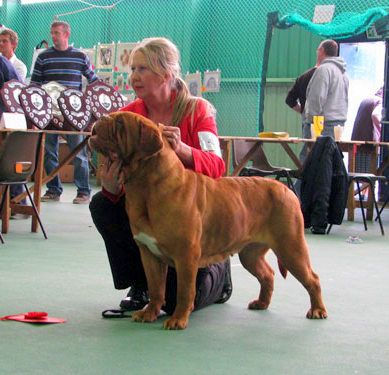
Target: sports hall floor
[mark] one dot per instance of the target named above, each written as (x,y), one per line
(68,276)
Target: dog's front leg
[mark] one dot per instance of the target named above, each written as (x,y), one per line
(186,290)
(155,272)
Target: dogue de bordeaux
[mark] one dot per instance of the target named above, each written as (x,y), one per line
(188,220)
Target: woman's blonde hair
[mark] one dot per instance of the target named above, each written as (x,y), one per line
(162,57)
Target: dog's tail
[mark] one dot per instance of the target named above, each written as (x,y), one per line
(282,269)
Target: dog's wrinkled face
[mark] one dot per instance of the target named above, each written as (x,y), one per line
(132,137)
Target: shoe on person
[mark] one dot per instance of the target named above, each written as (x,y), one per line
(50,197)
(81,199)
(136,299)
(227,287)
(318,229)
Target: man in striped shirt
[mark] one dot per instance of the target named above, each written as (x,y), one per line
(66,65)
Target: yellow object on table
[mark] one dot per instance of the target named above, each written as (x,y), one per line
(317,126)
(273,135)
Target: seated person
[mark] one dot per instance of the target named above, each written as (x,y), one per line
(190,127)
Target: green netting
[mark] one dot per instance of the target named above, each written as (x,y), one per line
(211,34)
(344,25)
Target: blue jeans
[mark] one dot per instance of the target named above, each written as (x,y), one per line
(80,162)
(328,130)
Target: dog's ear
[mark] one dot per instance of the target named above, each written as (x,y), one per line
(150,140)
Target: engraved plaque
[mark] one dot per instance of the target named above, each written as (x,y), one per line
(103,99)
(37,106)
(75,108)
(10,95)
(54,89)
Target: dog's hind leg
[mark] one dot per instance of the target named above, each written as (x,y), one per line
(295,257)
(254,261)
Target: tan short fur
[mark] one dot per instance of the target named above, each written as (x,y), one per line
(189,220)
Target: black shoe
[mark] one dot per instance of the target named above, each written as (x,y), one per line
(318,230)
(227,287)
(136,299)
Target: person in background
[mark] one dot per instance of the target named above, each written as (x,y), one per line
(327,91)
(190,127)
(7,73)
(367,127)
(296,99)
(65,65)
(8,44)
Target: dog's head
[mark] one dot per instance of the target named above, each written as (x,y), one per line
(132,137)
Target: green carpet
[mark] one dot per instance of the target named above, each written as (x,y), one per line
(68,276)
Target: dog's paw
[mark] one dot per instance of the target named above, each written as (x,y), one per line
(175,323)
(144,316)
(257,304)
(317,313)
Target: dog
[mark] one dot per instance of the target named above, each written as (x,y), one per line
(188,220)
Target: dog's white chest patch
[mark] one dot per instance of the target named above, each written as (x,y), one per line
(148,241)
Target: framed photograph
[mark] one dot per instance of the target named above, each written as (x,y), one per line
(91,53)
(120,82)
(106,77)
(105,56)
(193,80)
(211,81)
(122,61)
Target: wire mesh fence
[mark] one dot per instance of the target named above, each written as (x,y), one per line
(213,35)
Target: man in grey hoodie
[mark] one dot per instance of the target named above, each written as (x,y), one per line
(327,91)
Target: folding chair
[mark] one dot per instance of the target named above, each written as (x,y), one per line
(260,164)
(18,160)
(370,180)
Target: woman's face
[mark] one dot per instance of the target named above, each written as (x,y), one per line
(144,81)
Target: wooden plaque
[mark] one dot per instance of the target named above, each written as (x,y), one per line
(104,99)
(54,89)
(10,95)
(37,106)
(76,109)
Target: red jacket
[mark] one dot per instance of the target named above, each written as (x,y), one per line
(206,163)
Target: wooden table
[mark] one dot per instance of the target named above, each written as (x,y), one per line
(39,180)
(350,147)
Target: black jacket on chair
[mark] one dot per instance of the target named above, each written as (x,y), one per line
(324,186)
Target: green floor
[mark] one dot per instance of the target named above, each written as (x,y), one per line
(68,276)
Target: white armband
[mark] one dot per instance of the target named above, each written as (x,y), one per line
(209,142)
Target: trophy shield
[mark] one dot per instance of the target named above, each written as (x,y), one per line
(104,99)
(37,106)
(10,95)
(54,89)
(75,108)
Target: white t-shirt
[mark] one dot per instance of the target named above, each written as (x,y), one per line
(20,67)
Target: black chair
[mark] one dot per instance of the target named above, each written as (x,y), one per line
(18,160)
(369,180)
(260,166)
(386,200)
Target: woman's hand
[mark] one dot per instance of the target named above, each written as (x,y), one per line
(173,135)
(183,151)
(111,175)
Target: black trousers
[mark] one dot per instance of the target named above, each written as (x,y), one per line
(112,222)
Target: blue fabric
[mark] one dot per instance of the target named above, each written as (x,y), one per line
(80,162)
(65,67)
(7,72)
